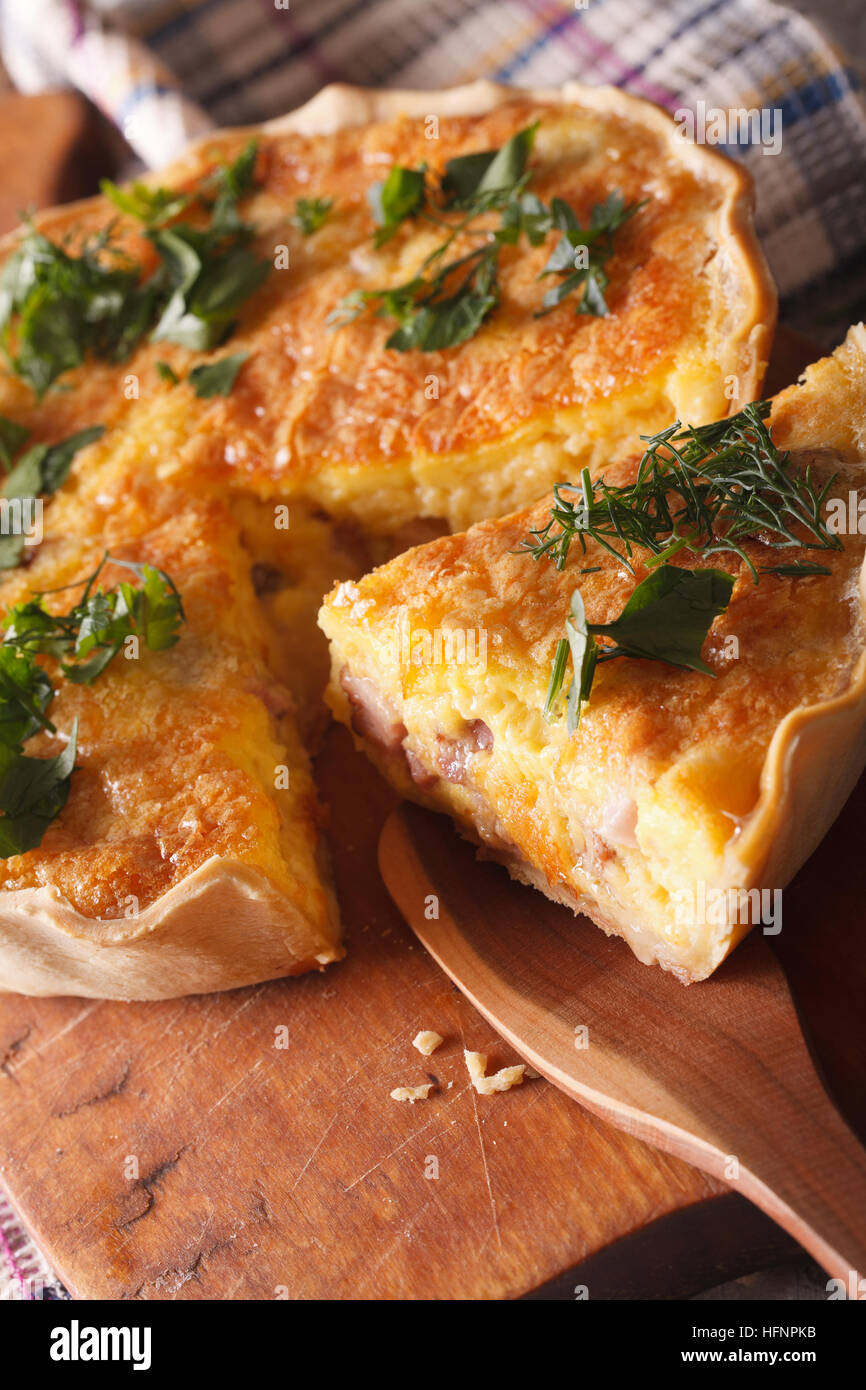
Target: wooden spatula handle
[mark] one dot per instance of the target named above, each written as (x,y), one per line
(718,1073)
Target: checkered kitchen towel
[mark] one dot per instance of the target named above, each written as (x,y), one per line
(164,69)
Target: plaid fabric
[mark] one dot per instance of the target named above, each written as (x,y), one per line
(242,61)
(24,1274)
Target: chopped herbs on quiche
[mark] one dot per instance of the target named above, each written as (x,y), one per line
(217,378)
(57,307)
(447,300)
(311,214)
(33,791)
(42,469)
(703,490)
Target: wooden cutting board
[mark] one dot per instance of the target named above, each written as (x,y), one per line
(175,1150)
(179,1150)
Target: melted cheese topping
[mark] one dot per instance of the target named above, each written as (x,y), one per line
(471,431)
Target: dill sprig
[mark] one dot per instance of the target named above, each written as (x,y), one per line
(705,489)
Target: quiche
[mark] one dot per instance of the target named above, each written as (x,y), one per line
(188,855)
(325,410)
(295,352)
(677,801)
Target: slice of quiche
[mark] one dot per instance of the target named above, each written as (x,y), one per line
(701,608)
(188,854)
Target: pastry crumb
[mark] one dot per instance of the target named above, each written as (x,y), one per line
(412,1093)
(531,1074)
(503,1080)
(427,1041)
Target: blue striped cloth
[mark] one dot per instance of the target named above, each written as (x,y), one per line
(730,54)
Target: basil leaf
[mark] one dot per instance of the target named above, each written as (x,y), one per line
(668,616)
(400,196)
(217,378)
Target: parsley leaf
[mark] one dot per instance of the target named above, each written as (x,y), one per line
(211,278)
(12,436)
(399,196)
(233,182)
(490,177)
(217,378)
(666,618)
(33,791)
(581,252)
(311,214)
(45,467)
(166,372)
(433,323)
(432,313)
(57,308)
(42,469)
(150,205)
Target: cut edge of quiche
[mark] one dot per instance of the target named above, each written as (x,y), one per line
(676,789)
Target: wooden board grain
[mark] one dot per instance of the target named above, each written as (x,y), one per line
(174,1150)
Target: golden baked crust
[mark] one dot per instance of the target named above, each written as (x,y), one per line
(485,426)
(673,779)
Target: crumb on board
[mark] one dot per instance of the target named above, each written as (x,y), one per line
(476,1065)
(427,1041)
(412,1093)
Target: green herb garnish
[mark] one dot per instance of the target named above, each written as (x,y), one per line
(12,436)
(217,378)
(446,302)
(33,791)
(581,252)
(401,195)
(311,214)
(152,206)
(704,490)
(58,307)
(165,371)
(666,618)
(42,469)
